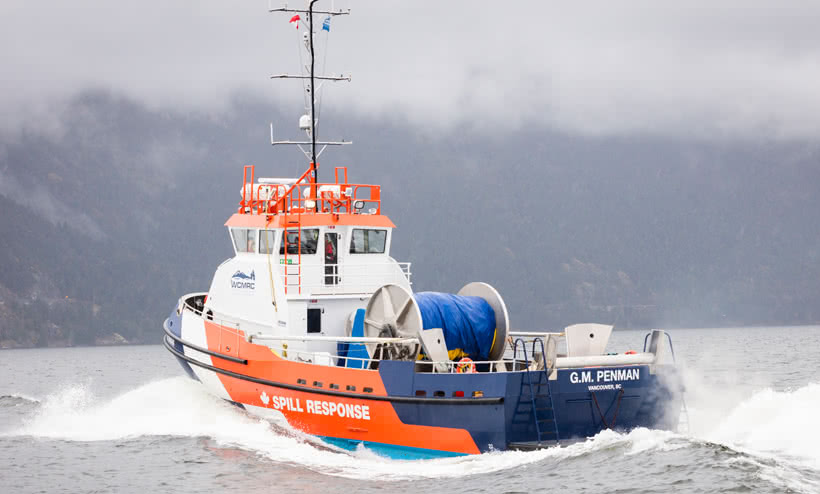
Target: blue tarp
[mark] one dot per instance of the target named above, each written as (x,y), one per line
(468,323)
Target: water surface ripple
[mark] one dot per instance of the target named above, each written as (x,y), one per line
(124,419)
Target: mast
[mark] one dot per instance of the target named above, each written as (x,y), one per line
(308,122)
(312,104)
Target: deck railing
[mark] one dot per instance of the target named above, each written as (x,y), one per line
(194,303)
(332,359)
(303,196)
(247,330)
(250,332)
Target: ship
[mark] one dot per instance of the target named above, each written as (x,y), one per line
(313,323)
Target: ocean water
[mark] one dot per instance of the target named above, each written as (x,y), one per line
(125,419)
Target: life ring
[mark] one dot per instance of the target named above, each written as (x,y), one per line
(465,366)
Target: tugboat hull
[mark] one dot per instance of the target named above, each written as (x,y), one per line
(401,413)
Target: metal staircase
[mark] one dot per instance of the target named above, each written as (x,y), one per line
(536,407)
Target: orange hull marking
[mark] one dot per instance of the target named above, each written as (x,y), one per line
(316,417)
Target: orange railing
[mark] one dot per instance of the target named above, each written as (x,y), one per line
(307,197)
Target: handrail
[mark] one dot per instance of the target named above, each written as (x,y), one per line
(533,334)
(339,339)
(475,400)
(672,348)
(294,200)
(668,338)
(529,382)
(549,391)
(218,318)
(543,353)
(201,349)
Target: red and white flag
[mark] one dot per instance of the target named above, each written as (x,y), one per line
(295,20)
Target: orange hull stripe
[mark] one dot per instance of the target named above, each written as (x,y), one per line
(371,420)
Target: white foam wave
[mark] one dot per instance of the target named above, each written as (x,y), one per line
(768,422)
(180,407)
(366,464)
(727,410)
(775,430)
(783,423)
(174,406)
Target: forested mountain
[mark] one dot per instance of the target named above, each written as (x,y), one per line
(109,219)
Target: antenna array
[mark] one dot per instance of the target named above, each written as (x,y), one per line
(309,122)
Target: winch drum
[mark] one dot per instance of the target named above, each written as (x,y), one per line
(393,312)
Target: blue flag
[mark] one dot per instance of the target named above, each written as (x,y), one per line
(326,24)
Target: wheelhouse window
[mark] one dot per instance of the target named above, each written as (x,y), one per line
(368,241)
(244,239)
(310,240)
(266,241)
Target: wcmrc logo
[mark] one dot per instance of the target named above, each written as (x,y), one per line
(243,281)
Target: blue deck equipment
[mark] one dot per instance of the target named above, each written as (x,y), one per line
(468,323)
(356,353)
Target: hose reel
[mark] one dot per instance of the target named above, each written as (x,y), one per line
(394,312)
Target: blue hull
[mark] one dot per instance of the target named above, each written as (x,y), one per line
(575,404)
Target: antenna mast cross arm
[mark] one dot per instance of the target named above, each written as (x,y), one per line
(301,11)
(318,77)
(305,143)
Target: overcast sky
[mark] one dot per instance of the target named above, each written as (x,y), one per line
(741,70)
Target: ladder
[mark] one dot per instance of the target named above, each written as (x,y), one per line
(683,420)
(542,407)
(289,268)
